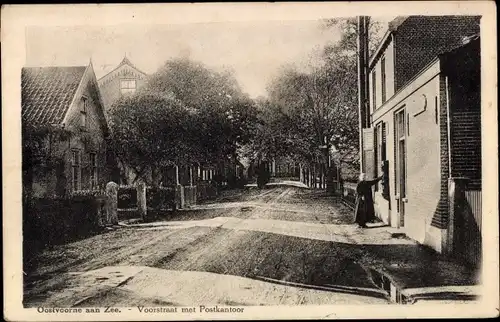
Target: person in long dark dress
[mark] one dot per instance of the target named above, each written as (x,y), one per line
(364,210)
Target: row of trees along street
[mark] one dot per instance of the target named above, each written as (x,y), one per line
(188,114)
(308,113)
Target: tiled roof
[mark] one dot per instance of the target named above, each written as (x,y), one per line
(396,22)
(47,92)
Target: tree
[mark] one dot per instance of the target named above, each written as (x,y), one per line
(224,115)
(349,34)
(186,114)
(320,104)
(151,130)
(310,113)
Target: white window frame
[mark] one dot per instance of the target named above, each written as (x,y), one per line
(128,88)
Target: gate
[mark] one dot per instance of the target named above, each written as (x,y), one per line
(157,199)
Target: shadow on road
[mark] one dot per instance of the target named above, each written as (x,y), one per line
(315,263)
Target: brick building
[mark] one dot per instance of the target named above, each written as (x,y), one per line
(67,103)
(425,128)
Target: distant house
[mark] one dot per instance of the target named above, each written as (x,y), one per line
(66,102)
(425,126)
(124,79)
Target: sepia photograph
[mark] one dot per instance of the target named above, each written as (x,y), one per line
(203,169)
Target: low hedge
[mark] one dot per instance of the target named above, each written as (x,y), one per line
(48,221)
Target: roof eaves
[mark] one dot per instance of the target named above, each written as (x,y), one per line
(120,65)
(393,27)
(101,102)
(80,84)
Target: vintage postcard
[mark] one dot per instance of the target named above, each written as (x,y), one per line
(244,161)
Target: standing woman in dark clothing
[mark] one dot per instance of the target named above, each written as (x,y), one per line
(364,210)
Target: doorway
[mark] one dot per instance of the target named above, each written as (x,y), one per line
(400,166)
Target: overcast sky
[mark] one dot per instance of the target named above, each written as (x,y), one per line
(254,50)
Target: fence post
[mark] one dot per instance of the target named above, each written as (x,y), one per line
(142,206)
(180,201)
(112,203)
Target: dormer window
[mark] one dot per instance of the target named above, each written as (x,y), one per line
(128,86)
(83,112)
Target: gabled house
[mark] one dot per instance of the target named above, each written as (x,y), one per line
(67,104)
(425,131)
(124,79)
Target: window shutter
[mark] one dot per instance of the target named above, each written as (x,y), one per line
(383,132)
(384,141)
(369,153)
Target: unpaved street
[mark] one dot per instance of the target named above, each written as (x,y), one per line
(281,245)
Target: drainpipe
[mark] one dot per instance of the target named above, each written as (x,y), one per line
(448,124)
(361,88)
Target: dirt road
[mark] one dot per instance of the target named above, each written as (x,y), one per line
(260,247)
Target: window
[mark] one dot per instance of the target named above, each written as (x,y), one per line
(382,75)
(127,86)
(83,112)
(76,170)
(93,170)
(374,89)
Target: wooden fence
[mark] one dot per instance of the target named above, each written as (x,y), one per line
(473,227)
(474,201)
(348,194)
(206,191)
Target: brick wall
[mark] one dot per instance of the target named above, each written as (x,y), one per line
(464,70)
(440,218)
(421,38)
(466,147)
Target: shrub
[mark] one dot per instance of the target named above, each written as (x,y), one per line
(49,221)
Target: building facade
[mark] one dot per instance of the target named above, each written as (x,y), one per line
(124,79)
(425,130)
(66,103)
